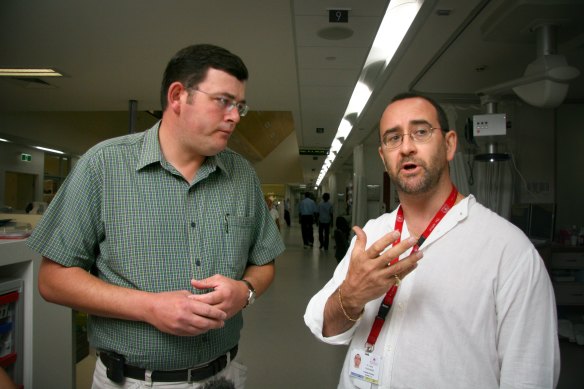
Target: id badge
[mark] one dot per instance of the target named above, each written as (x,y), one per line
(365,366)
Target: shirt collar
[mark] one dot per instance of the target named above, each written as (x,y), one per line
(152,153)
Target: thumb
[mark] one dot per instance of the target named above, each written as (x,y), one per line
(361,241)
(203,284)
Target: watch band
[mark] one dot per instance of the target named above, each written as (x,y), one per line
(252,293)
(249,285)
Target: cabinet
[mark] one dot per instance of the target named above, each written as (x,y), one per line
(47,333)
(11,328)
(566,267)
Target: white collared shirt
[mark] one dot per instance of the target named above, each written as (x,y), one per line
(478,311)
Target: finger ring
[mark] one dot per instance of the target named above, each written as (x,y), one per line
(397,280)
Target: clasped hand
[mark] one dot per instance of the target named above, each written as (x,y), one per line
(186,314)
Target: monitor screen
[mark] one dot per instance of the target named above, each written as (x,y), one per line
(541,225)
(536,220)
(520,216)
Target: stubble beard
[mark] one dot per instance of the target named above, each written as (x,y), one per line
(431,174)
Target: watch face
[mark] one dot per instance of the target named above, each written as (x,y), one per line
(251,292)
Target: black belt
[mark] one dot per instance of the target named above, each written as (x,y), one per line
(198,373)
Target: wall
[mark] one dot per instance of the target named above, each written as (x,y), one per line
(570,166)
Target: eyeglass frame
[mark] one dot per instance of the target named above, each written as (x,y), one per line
(227,103)
(410,134)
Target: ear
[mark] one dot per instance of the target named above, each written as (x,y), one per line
(175,91)
(380,151)
(451,143)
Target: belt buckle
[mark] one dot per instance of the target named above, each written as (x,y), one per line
(216,366)
(190,378)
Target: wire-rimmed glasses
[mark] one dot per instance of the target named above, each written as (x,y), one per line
(226,103)
(419,133)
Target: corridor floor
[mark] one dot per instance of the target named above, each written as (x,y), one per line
(276,346)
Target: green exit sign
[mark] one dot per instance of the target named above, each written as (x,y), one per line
(25,157)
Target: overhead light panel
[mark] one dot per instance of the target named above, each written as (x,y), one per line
(49,150)
(15,72)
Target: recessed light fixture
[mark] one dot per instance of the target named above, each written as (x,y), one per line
(21,72)
(335,33)
(49,150)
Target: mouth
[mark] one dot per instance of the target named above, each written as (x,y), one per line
(409,167)
(227,130)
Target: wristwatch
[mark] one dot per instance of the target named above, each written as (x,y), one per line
(252,293)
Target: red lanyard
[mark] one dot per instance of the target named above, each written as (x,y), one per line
(389,296)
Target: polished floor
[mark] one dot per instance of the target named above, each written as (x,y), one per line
(279,350)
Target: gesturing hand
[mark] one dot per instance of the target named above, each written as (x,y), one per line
(369,275)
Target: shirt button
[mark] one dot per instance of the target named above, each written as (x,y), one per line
(193,224)
(198,262)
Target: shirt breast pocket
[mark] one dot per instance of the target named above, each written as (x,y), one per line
(237,241)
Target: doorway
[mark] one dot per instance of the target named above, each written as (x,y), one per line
(19,189)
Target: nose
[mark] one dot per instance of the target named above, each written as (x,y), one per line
(233,115)
(408,145)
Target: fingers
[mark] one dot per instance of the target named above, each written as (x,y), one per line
(207,311)
(404,267)
(391,255)
(361,240)
(383,243)
(207,283)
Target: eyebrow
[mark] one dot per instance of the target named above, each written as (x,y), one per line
(412,122)
(225,94)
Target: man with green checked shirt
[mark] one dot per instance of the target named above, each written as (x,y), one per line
(163,237)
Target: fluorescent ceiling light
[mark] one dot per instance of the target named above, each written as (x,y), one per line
(49,150)
(29,73)
(359,98)
(395,24)
(3,140)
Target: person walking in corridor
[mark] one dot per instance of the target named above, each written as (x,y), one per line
(325,218)
(307,210)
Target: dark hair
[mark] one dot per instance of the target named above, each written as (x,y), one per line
(442,119)
(326,196)
(342,224)
(190,65)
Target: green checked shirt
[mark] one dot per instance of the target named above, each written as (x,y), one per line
(125,214)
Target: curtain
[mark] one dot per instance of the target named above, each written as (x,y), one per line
(494,186)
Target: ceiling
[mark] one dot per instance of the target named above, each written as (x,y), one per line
(301,73)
